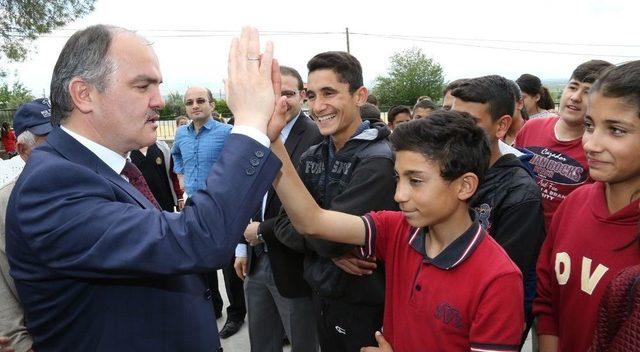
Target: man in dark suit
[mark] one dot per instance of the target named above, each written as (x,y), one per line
(276,293)
(97,265)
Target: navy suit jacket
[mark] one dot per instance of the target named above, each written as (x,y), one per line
(98,268)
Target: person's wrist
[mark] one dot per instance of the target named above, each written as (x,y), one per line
(252,122)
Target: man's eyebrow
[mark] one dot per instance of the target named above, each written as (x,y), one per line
(146,79)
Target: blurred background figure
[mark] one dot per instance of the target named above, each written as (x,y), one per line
(182,120)
(423,108)
(370,112)
(397,115)
(537,100)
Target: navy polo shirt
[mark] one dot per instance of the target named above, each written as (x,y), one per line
(468,298)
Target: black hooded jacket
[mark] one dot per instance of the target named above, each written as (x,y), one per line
(358,179)
(510,208)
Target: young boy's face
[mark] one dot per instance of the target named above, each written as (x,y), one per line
(421,113)
(573,102)
(424,197)
(611,141)
(334,109)
(480,113)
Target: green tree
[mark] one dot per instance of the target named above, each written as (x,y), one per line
(173,106)
(21,21)
(411,74)
(11,97)
(222,108)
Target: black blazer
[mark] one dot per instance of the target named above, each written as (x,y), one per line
(286,263)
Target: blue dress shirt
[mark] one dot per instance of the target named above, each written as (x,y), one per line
(194,154)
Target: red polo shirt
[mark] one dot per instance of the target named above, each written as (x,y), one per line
(468,298)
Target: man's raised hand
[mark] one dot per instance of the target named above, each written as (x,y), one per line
(250,86)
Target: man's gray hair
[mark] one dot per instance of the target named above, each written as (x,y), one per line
(85,55)
(27,138)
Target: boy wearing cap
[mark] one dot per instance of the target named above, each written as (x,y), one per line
(32,125)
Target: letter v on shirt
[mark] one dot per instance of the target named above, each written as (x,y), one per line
(588,280)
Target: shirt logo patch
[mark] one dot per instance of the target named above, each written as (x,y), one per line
(449,315)
(484,215)
(341,330)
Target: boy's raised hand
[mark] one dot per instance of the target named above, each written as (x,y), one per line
(383,345)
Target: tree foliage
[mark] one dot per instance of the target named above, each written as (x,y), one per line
(222,108)
(173,106)
(11,97)
(23,20)
(411,75)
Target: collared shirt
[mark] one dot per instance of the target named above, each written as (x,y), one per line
(468,298)
(194,154)
(108,156)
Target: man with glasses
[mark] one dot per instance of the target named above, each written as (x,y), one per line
(196,148)
(278,298)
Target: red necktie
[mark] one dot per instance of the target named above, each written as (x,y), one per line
(133,174)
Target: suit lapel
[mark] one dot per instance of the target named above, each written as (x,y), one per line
(77,153)
(291,144)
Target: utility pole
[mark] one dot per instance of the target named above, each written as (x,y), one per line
(348,48)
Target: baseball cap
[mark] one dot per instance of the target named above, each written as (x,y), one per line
(34,116)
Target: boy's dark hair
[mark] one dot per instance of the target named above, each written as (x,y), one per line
(426,104)
(370,112)
(493,90)
(394,111)
(620,82)
(450,138)
(589,71)
(210,96)
(371,99)
(453,85)
(345,65)
(290,71)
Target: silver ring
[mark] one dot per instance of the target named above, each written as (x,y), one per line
(253,58)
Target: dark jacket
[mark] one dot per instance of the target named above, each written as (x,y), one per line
(510,208)
(359,179)
(286,264)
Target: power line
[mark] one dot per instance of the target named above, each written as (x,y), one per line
(498,47)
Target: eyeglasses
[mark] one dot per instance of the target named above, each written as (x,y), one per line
(198,101)
(289,93)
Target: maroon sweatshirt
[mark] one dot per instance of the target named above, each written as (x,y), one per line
(581,254)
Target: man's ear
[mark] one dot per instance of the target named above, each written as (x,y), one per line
(24,151)
(467,185)
(303,95)
(361,95)
(82,94)
(504,122)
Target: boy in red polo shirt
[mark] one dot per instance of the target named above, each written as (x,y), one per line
(449,286)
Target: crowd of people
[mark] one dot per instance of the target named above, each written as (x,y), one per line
(461,226)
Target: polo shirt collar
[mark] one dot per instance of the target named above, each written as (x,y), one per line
(456,252)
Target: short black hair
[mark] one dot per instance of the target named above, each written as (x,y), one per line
(395,111)
(493,90)
(371,99)
(620,82)
(345,66)
(290,71)
(450,138)
(370,112)
(589,71)
(453,85)
(210,96)
(426,104)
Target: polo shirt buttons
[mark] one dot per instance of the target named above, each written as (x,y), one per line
(250,171)
(254,162)
(418,287)
(208,294)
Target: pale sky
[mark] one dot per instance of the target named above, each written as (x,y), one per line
(468,38)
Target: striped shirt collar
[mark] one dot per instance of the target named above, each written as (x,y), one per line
(456,252)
